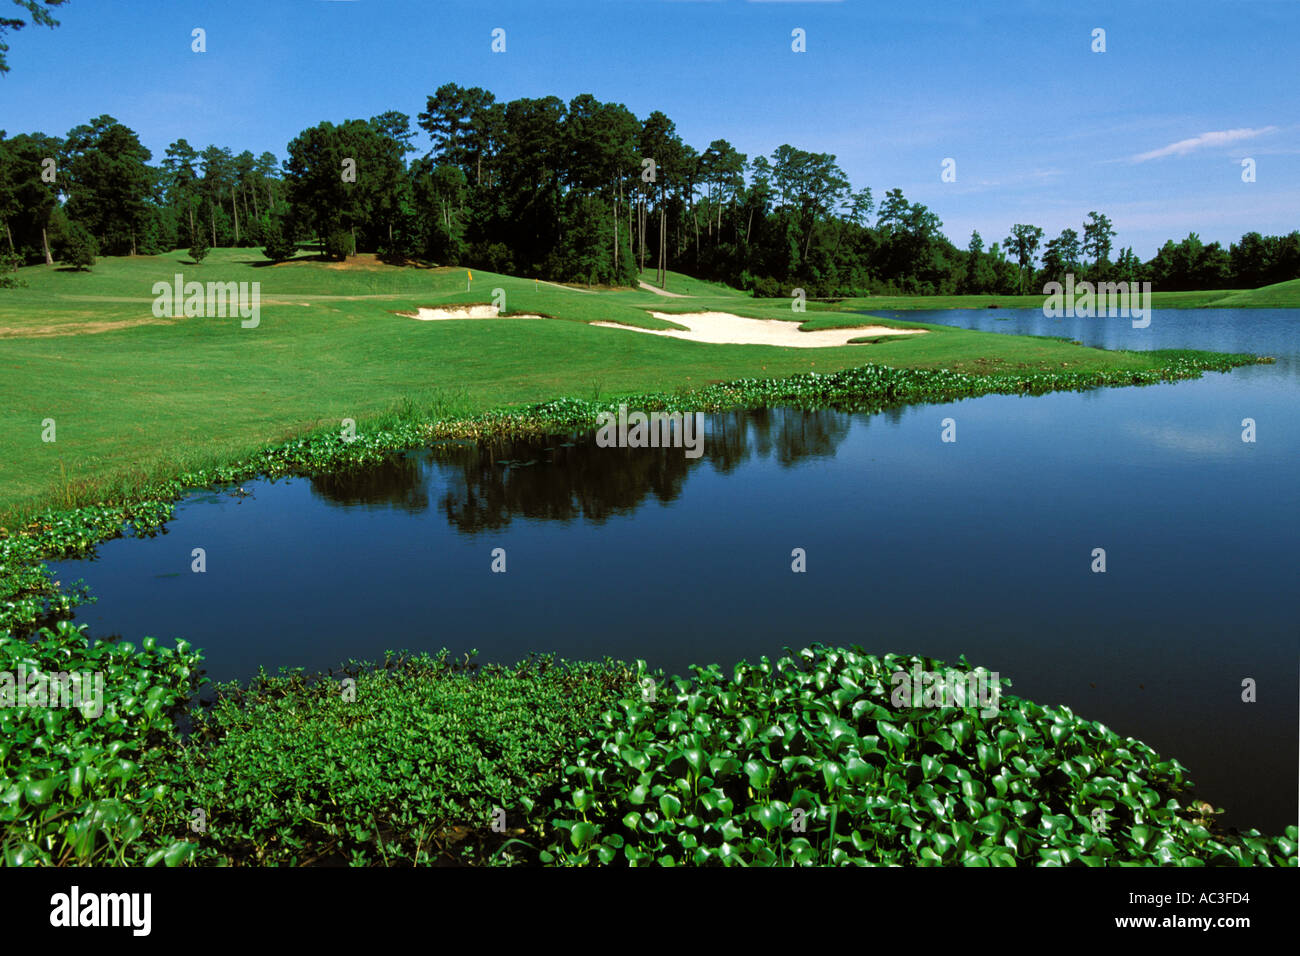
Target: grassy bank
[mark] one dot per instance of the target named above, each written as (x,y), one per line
(136,400)
(816,758)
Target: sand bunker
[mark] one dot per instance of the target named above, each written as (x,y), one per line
(723,328)
(465,312)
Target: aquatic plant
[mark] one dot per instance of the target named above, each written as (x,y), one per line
(28,592)
(409,763)
(78,783)
(806,760)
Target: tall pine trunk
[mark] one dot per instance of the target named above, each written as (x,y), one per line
(45,244)
(662,270)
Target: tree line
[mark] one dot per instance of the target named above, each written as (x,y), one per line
(582,191)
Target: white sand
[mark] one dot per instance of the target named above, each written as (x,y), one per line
(465,312)
(723,328)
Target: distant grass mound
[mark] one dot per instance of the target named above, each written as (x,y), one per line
(1280,295)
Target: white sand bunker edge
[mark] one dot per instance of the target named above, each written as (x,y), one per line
(723,328)
(464,312)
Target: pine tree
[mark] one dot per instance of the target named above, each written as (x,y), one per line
(200,249)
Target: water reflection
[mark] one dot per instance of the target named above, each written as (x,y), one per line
(482,487)
(400,483)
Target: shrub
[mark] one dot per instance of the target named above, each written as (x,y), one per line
(279,246)
(79,247)
(493,257)
(9,263)
(338,244)
(401,243)
(200,249)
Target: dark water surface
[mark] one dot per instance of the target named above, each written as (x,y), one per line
(981,547)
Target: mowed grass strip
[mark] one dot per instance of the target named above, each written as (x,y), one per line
(149,398)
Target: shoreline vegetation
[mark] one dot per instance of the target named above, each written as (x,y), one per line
(812,759)
(803,760)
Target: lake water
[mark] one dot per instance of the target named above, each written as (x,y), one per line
(980,547)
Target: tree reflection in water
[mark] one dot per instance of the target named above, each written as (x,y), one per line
(483,486)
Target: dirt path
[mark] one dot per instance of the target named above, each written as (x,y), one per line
(657,291)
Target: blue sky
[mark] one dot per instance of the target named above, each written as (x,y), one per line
(1152,132)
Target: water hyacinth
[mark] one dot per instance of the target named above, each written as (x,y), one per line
(80,785)
(807,760)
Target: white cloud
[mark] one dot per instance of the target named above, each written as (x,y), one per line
(1216,138)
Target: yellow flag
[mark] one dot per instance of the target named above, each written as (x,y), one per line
(470,274)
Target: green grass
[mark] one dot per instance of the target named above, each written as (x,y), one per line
(137,399)
(689,285)
(1280,295)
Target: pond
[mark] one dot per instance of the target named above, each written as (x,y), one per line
(982,546)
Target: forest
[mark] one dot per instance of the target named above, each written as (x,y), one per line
(579,192)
